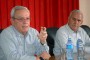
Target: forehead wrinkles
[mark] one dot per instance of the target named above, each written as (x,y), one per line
(77,16)
(21,13)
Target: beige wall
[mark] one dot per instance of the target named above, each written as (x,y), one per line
(85,8)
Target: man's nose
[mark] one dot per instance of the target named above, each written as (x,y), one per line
(76,21)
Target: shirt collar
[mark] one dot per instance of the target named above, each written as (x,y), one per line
(70,30)
(18,33)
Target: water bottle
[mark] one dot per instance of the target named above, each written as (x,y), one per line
(69,50)
(80,50)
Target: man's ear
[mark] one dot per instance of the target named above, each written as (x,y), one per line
(12,21)
(81,21)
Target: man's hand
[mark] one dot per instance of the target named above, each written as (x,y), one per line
(45,55)
(37,58)
(43,35)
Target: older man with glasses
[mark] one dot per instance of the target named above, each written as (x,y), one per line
(21,42)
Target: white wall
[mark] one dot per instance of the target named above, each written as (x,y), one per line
(85,8)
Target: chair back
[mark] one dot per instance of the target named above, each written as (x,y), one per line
(50,39)
(0,30)
(86,28)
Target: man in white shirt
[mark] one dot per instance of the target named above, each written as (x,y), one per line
(21,42)
(73,30)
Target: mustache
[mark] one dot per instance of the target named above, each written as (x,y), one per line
(25,26)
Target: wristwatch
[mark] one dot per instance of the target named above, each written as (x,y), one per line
(41,58)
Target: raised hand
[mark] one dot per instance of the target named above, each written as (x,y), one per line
(43,35)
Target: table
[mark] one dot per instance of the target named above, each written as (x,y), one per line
(86,55)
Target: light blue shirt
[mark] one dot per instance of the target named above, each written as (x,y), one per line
(66,32)
(19,47)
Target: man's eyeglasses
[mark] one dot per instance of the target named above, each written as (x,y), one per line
(21,19)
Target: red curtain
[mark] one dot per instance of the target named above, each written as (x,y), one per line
(48,13)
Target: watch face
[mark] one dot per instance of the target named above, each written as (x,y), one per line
(41,58)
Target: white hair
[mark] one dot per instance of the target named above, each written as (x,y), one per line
(75,11)
(14,9)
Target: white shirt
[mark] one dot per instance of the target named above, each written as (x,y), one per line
(62,36)
(19,47)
